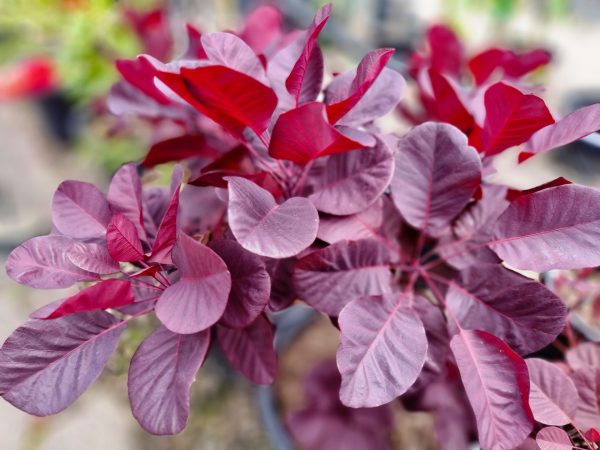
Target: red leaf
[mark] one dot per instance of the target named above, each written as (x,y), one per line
(178,148)
(140,73)
(511,117)
(122,239)
(294,82)
(367,72)
(449,106)
(303,134)
(485,63)
(232,99)
(105,294)
(447,51)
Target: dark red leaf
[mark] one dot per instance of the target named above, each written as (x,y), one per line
(122,239)
(179,148)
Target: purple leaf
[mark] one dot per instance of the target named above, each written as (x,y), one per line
(63,357)
(584,356)
(554,228)
(575,126)
(367,72)
(352,181)
(381,98)
(435,177)
(160,377)
(283,292)
(250,284)
(250,350)
(553,438)
(167,230)
(125,196)
(382,349)
(587,382)
(92,257)
(553,397)
(42,262)
(105,294)
(497,385)
(199,298)
(228,50)
(379,221)
(263,227)
(303,134)
(520,311)
(122,239)
(330,278)
(80,210)
(302,76)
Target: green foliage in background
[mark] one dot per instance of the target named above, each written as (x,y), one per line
(83,37)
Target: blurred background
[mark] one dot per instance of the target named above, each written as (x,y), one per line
(56,67)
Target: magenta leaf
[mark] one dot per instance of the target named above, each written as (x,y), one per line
(330,278)
(447,52)
(514,65)
(250,284)
(122,239)
(160,377)
(250,350)
(381,98)
(226,49)
(199,298)
(233,99)
(511,117)
(585,355)
(575,126)
(352,181)
(262,27)
(177,149)
(436,175)
(92,257)
(497,385)
(296,83)
(80,210)
(63,358)
(520,311)
(448,104)
(304,134)
(382,349)
(125,197)
(105,294)
(166,234)
(263,227)
(554,228)
(367,72)
(43,263)
(553,396)
(553,438)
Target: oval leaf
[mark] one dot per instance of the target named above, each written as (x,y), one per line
(382,350)
(199,298)
(226,49)
(553,397)
(92,257)
(553,438)
(250,284)
(63,357)
(42,262)
(554,228)
(250,350)
(330,278)
(263,227)
(497,385)
(352,181)
(519,310)
(436,175)
(80,210)
(584,356)
(161,374)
